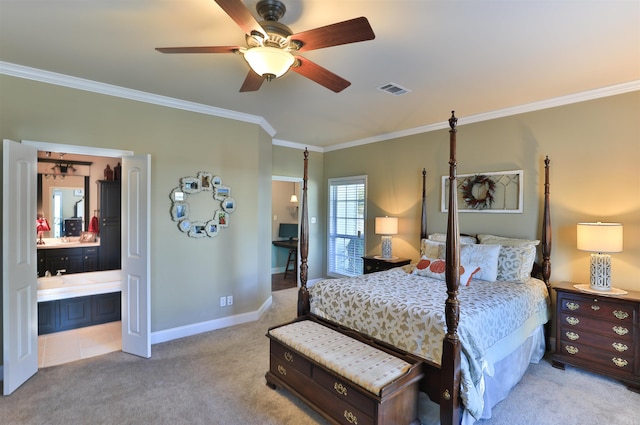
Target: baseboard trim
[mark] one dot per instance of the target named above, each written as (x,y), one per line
(210,325)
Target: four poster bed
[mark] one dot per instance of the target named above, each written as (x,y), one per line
(478,346)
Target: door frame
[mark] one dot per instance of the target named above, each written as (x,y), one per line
(145,296)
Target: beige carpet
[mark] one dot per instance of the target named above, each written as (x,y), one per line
(218,378)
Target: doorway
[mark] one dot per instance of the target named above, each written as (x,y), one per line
(285,258)
(19,268)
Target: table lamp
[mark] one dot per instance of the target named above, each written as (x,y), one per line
(600,239)
(42,225)
(386,226)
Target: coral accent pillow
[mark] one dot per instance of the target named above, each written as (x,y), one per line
(435,268)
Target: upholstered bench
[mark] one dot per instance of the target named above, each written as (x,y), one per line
(347,378)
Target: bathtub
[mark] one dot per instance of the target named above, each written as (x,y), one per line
(78,285)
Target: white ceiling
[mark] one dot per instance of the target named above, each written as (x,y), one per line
(476,56)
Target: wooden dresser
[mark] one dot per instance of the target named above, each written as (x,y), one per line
(599,333)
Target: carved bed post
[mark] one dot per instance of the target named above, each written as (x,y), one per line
(423,221)
(546,228)
(450,372)
(303,293)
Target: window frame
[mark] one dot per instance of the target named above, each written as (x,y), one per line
(354,262)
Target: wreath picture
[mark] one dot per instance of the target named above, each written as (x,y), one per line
(483,187)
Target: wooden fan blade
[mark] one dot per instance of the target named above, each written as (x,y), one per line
(241,15)
(320,75)
(252,82)
(203,49)
(351,31)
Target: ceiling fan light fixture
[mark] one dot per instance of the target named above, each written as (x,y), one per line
(267,61)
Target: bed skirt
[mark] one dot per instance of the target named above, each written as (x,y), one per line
(506,374)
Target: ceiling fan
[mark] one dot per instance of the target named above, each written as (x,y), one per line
(271,44)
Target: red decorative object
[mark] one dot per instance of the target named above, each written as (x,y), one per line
(42,225)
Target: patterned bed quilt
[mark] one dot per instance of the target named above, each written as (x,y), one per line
(407,311)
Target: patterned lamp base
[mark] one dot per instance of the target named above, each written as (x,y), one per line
(386,247)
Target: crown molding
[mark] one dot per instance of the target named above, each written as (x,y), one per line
(617,89)
(125,93)
(140,96)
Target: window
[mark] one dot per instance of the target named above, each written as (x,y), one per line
(347,214)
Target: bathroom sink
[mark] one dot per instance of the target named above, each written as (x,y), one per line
(49,282)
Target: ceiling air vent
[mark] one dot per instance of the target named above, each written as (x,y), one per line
(394,89)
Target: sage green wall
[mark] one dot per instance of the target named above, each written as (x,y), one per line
(288,162)
(594,148)
(188,276)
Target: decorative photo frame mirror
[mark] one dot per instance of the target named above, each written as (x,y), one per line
(181,211)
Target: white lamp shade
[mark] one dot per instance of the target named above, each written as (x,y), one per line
(600,237)
(269,60)
(386,225)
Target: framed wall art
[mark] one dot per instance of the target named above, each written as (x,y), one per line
(494,192)
(195,223)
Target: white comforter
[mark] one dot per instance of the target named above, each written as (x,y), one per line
(407,311)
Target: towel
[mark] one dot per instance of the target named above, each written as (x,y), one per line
(93,225)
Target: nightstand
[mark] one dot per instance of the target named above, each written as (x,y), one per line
(376,264)
(599,333)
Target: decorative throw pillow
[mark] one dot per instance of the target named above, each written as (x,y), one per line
(485,256)
(500,240)
(464,239)
(435,268)
(515,263)
(432,249)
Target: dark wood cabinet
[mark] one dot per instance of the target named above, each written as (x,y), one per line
(374,264)
(109,198)
(78,312)
(599,333)
(72,226)
(68,260)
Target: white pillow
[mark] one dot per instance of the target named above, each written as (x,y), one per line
(515,263)
(442,237)
(485,256)
(435,268)
(432,249)
(500,240)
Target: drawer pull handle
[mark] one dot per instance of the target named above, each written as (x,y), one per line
(620,330)
(446,395)
(620,314)
(619,362)
(572,320)
(573,306)
(340,389)
(620,346)
(595,307)
(282,370)
(353,419)
(571,349)
(572,335)
(288,357)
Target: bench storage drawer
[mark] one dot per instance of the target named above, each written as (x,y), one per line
(347,378)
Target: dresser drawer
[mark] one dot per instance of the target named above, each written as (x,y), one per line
(290,359)
(290,375)
(588,324)
(341,411)
(618,362)
(612,345)
(596,307)
(344,390)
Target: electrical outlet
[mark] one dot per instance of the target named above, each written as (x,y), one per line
(230,300)
(223,301)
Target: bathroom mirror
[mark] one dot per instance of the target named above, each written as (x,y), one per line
(60,199)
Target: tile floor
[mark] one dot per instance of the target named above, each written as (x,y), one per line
(68,346)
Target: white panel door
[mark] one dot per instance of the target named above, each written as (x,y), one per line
(136,302)
(19,265)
